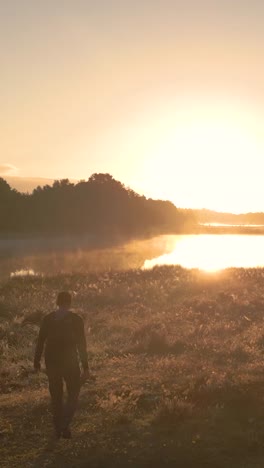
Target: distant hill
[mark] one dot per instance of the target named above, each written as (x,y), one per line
(209,216)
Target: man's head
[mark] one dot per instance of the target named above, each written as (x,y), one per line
(64,299)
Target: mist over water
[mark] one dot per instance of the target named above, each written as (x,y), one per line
(70,255)
(22,257)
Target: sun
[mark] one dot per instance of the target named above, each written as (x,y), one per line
(206,160)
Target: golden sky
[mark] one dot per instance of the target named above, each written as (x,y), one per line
(165,95)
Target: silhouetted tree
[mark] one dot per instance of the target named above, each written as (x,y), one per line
(101,205)
(9,207)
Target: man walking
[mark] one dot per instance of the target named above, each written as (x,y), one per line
(62,332)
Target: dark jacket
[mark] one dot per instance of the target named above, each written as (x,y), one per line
(64,341)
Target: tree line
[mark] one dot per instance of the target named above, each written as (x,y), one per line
(101,206)
(209,216)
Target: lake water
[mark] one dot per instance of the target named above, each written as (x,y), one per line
(212,252)
(74,255)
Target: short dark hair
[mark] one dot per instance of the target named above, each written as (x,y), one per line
(64,298)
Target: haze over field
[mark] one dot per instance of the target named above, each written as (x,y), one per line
(131,231)
(167,96)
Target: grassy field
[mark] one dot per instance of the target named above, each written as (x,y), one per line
(178,359)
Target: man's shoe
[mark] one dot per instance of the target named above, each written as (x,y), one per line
(66,433)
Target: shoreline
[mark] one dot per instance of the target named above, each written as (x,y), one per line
(119,237)
(237,230)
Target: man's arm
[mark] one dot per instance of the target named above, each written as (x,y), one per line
(40,343)
(81,346)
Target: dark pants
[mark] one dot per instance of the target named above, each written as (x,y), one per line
(63,413)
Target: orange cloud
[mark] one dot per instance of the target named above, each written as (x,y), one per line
(7,169)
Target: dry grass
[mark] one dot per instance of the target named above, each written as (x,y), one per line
(179,362)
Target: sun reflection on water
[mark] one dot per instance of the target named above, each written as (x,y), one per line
(213,252)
